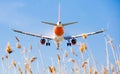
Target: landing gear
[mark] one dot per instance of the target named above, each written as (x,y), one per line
(58,46)
(68,44)
(47,44)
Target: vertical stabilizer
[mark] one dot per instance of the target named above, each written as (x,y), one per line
(59,12)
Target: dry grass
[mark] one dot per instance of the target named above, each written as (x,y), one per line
(66,62)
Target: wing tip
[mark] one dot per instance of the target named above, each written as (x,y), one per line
(102,30)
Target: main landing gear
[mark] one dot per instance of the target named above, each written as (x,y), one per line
(68,44)
(47,44)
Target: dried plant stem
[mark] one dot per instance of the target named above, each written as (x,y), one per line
(3,67)
(113,51)
(84,70)
(38,67)
(82,57)
(92,57)
(76,68)
(52,61)
(107,55)
(118,51)
(41,57)
(15,72)
(113,54)
(59,65)
(7,60)
(63,59)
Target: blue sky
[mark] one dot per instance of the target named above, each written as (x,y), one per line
(26,15)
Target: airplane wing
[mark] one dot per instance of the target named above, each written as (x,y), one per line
(35,35)
(88,34)
(84,35)
(53,24)
(65,24)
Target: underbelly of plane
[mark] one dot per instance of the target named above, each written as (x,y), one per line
(58,39)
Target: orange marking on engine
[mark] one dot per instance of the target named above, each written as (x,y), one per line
(59,31)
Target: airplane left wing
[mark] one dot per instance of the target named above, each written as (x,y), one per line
(84,35)
(35,35)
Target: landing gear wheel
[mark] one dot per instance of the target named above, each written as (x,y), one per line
(48,44)
(68,44)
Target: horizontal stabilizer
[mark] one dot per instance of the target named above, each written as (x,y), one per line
(49,23)
(69,23)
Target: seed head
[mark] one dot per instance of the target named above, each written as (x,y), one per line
(6,56)
(90,70)
(52,69)
(95,72)
(105,71)
(58,56)
(33,59)
(30,47)
(18,45)
(14,63)
(83,64)
(2,58)
(112,67)
(71,60)
(19,70)
(83,47)
(24,50)
(84,36)
(66,54)
(118,63)
(31,71)
(27,67)
(8,48)
(17,38)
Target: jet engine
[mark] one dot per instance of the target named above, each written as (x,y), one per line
(42,41)
(73,41)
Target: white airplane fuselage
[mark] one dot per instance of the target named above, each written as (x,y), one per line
(58,34)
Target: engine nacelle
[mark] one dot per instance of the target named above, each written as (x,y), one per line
(73,41)
(42,41)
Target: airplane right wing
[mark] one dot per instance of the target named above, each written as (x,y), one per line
(35,35)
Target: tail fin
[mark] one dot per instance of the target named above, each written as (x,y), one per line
(59,12)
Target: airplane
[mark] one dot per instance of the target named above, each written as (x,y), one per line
(59,33)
